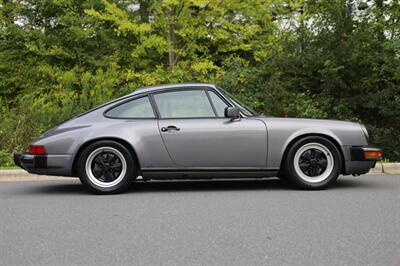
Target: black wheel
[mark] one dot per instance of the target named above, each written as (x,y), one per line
(106,167)
(312,163)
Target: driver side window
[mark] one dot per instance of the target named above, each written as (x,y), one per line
(184,104)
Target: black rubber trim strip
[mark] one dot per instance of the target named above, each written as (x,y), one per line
(209,170)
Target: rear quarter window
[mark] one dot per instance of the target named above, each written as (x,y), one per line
(138,108)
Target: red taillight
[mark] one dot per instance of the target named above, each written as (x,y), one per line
(35,149)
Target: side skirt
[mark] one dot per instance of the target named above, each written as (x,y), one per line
(207,173)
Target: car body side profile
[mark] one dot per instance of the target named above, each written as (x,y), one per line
(196,130)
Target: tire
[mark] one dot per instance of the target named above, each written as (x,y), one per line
(106,167)
(312,163)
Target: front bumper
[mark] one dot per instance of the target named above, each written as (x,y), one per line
(360,160)
(59,165)
(365,154)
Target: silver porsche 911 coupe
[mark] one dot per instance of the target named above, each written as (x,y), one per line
(196,131)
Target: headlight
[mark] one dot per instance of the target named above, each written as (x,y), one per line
(364,129)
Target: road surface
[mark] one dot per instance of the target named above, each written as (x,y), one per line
(256,222)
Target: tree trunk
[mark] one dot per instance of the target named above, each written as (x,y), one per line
(380,19)
(172,44)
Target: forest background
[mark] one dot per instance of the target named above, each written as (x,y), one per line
(336,59)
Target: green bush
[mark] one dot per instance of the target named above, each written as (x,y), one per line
(5,158)
(331,61)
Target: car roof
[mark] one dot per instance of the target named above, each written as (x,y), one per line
(170,87)
(144,90)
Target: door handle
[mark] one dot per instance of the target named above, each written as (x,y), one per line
(170,128)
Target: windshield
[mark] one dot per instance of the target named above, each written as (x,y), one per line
(244,109)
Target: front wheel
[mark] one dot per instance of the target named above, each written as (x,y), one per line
(312,163)
(106,167)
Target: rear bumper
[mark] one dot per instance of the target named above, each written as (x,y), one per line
(358,163)
(29,161)
(59,165)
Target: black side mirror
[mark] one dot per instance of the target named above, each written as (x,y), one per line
(232,112)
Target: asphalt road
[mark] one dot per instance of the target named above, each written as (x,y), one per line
(258,222)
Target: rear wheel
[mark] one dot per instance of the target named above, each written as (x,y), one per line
(312,163)
(106,167)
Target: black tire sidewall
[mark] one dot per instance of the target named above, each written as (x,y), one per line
(123,184)
(296,180)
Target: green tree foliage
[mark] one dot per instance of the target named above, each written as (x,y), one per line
(345,56)
(301,58)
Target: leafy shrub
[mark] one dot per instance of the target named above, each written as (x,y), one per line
(5,158)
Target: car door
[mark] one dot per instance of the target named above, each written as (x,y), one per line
(196,134)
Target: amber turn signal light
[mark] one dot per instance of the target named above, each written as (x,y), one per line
(372,154)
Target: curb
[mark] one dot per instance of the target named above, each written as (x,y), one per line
(386,168)
(22,175)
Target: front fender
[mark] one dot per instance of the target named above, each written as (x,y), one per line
(283,131)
